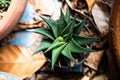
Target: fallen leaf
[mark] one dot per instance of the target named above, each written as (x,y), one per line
(25,25)
(72,3)
(77,5)
(107,2)
(94,59)
(90,4)
(44,6)
(19,61)
(100,14)
(56,13)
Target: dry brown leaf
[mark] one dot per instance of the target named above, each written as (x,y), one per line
(78,8)
(44,6)
(107,2)
(72,3)
(100,14)
(94,59)
(19,61)
(26,25)
(96,77)
(80,5)
(77,5)
(90,4)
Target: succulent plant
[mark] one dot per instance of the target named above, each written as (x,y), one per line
(63,37)
(4,4)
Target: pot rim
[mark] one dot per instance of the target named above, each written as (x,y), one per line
(12,17)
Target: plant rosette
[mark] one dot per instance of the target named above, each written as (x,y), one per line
(4,4)
(63,43)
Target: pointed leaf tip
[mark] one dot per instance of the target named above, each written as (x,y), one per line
(44,45)
(53,25)
(79,26)
(67,53)
(75,47)
(58,42)
(44,31)
(67,15)
(55,53)
(81,40)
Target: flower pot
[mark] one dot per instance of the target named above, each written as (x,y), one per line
(12,16)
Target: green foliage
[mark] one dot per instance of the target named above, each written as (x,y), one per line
(4,4)
(63,37)
(43,46)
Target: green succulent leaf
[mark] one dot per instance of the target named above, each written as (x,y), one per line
(67,37)
(67,53)
(67,15)
(75,47)
(58,42)
(62,23)
(55,53)
(81,40)
(69,27)
(77,29)
(44,45)
(44,31)
(52,25)
(4,4)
